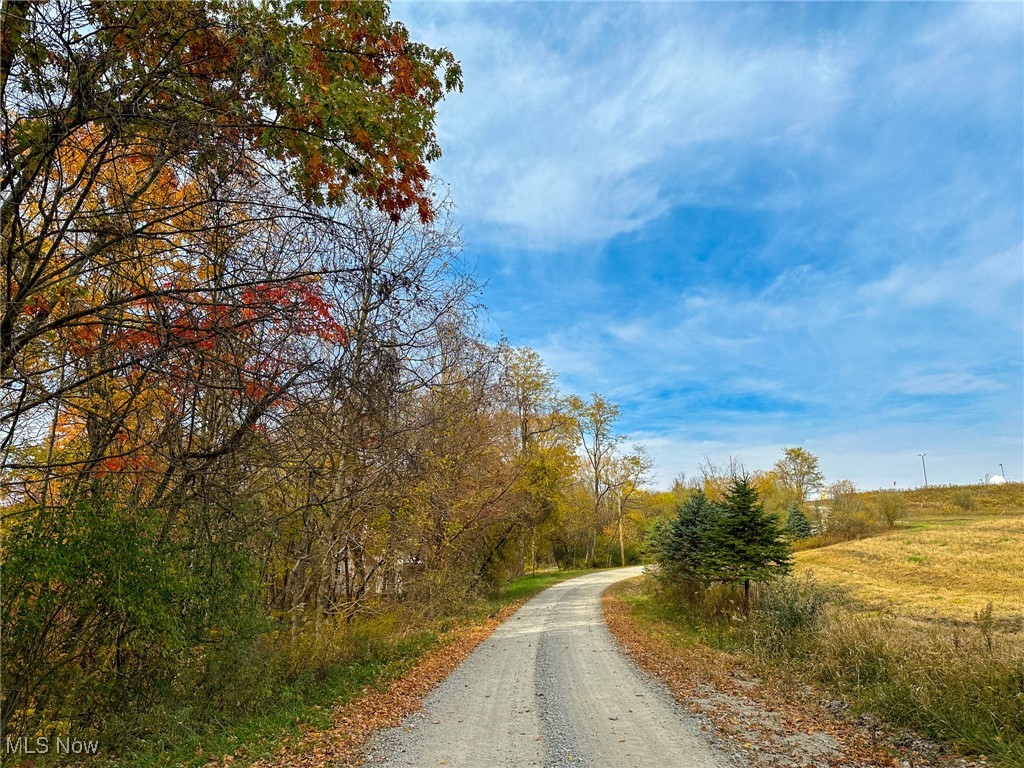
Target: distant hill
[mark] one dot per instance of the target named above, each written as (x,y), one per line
(953,551)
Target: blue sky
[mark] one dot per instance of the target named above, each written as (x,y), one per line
(755,225)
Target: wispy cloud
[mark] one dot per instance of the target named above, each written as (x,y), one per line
(950,383)
(653,92)
(755,225)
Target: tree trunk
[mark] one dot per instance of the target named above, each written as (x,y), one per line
(622,543)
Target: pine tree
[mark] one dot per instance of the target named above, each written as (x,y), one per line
(745,543)
(797,525)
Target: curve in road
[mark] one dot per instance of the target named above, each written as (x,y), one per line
(550,688)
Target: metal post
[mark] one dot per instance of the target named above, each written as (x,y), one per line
(924,468)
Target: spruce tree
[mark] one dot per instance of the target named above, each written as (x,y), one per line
(797,525)
(745,543)
(684,547)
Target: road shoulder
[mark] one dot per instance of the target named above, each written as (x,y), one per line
(344,743)
(769,723)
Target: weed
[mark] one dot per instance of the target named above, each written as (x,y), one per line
(963,498)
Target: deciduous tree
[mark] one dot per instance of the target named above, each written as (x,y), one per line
(595,427)
(799,470)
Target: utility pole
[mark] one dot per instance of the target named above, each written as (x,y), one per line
(924,468)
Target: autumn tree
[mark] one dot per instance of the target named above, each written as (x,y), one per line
(626,475)
(134,155)
(715,478)
(595,427)
(404,305)
(546,443)
(175,283)
(799,471)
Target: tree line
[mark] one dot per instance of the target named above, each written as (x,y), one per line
(728,528)
(243,388)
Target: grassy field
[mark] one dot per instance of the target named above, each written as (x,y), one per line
(953,551)
(933,632)
(909,635)
(944,569)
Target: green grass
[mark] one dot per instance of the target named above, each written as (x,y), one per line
(528,586)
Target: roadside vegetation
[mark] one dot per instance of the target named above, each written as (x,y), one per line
(919,624)
(292,686)
(254,449)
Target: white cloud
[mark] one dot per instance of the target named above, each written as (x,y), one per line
(576,145)
(950,383)
(987,286)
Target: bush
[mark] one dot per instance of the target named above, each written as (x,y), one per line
(963,499)
(849,516)
(892,507)
(104,618)
(788,609)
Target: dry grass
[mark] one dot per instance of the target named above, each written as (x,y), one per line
(955,551)
(915,642)
(949,571)
(957,502)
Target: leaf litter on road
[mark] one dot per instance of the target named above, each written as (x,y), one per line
(343,743)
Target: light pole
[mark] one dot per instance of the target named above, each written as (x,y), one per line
(924,468)
(1002,472)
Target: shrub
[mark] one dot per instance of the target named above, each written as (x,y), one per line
(103,616)
(788,607)
(892,507)
(851,517)
(963,499)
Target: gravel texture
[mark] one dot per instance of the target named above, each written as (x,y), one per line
(550,688)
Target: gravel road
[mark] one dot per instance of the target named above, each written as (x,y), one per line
(550,688)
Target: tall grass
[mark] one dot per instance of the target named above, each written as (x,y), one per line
(250,696)
(288,679)
(955,683)
(959,682)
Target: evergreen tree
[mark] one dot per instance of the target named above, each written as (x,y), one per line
(797,525)
(683,548)
(745,543)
